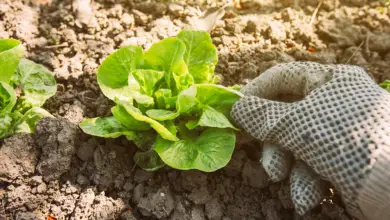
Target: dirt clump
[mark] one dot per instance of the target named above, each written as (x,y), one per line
(57,140)
(18,157)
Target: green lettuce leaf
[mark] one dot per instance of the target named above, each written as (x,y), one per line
(5,125)
(107,127)
(158,127)
(114,71)
(167,56)
(7,98)
(211,118)
(187,103)
(164,99)
(386,85)
(11,51)
(145,80)
(37,83)
(26,124)
(199,96)
(142,84)
(162,114)
(218,97)
(183,81)
(144,140)
(212,150)
(148,160)
(200,56)
(127,120)
(161,95)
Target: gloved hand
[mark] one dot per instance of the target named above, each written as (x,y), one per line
(338,131)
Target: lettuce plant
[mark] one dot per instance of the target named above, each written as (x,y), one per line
(168,103)
(24,87)
(386,85)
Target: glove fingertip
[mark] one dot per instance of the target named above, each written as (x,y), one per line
(307,189)
(276,162)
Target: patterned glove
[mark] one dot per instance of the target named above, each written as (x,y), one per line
(339,130)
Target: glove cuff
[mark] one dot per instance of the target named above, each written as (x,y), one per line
(374,197)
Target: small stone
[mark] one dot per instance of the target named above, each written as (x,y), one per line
(227,40)
(11,188)
(197,213)
(250,3)
(355,3)
(140,18)
(138,192)
(254,175)
(180,211)
(73,189)
(55,210)
(28,216)
(159,206)
(127,19)
(81,179)
(269,55)
(42,188)
(193,179)
(213,209)
(75,112)
(34,190)
(288,14)
(128,186)
(379,42)
(130,41)
(128,215)
(199,196)
(277,31)
(248,39)
(233,27)
(159,9)
(141,175)
(272,209)
(333,211)
(85,151)
(176,9)
(233,168)
(35,180)
(70,189)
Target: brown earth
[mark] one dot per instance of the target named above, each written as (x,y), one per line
(60,172)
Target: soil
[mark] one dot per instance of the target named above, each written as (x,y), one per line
(60,173)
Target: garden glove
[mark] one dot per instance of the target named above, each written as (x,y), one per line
(339,130)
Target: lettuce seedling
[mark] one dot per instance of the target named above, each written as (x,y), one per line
(24,88)
(168,103)
(386,85)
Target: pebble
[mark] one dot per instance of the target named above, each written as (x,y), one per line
(176,9)
(138,192)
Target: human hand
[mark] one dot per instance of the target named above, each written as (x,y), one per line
(338,131)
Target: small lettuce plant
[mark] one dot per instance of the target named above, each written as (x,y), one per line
(168,103)
(386,85)
(24,88)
